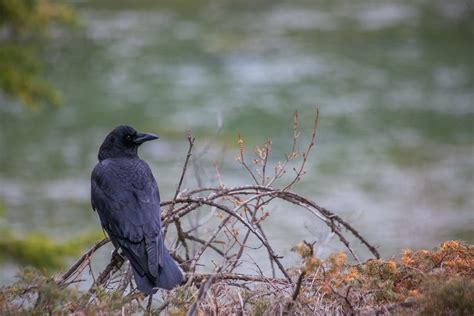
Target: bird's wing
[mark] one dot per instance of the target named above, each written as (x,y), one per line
(125,195)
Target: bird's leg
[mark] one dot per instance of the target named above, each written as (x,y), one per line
(117,250)
(148,306)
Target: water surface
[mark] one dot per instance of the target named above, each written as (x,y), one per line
(394,81)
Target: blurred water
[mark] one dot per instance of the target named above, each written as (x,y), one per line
(394,81)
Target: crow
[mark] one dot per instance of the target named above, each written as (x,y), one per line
(125,195)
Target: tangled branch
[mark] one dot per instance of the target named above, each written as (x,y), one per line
(235,226)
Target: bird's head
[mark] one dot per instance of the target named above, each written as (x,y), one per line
(123,141)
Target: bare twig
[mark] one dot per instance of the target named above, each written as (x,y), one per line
(114,265)
(203,242)
(300,171)
(328,217)
(81,263)
(148,306)
(202,291)
(241,159)
(191,140)
(236,276)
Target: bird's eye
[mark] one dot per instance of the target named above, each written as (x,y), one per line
(128,137)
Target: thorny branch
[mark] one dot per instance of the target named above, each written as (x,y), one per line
(231,210)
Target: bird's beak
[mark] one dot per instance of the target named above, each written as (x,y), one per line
(142,137)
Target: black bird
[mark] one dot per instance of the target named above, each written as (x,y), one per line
(125,195)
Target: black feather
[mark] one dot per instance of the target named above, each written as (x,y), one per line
(125,195)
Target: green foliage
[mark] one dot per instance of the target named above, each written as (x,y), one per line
(19,67)
(40,250)
(21,23)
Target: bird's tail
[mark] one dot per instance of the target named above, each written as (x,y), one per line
(169,276)
(143,283)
